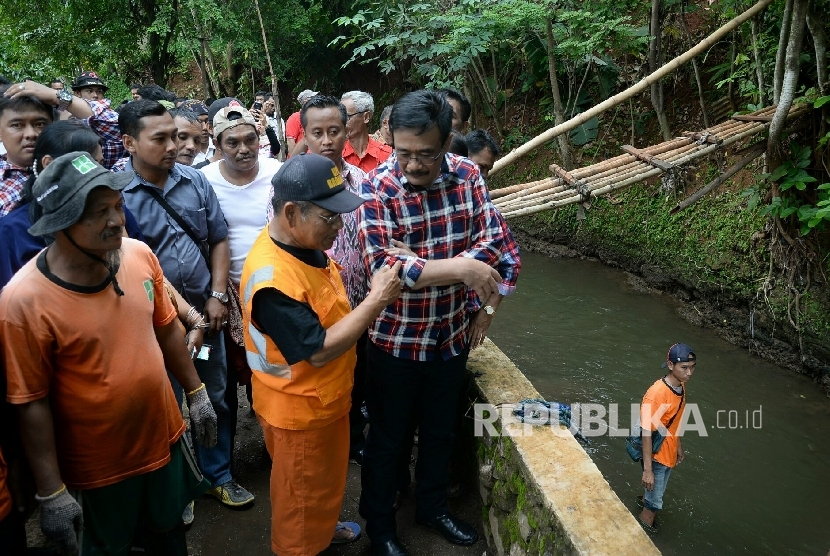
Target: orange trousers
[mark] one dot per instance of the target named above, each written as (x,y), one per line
(308,481)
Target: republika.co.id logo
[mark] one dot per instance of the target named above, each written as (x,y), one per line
(591,420)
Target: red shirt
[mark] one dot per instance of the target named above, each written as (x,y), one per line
(294,128)
(376,154)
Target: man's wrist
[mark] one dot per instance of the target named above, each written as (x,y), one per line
(221,296)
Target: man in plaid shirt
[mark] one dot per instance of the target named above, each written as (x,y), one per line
(25,111)
(431,211)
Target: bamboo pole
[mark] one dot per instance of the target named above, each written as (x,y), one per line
(635,89)
(753,154)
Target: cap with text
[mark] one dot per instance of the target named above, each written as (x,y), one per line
(315,178)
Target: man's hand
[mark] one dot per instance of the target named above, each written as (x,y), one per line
(195,338)
(648,479)
(202,417)
(44,94)
(479,325)
(386,284)
(400,248)
(216,313)
(61,519)
(481,277)
(680,454)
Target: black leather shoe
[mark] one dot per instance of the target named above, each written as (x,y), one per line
(392,547)
(455,530)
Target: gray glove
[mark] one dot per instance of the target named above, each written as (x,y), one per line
(202,417)
(61,519)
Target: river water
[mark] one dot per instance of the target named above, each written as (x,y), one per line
(758,483)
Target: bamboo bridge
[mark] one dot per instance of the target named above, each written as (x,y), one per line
(636,165)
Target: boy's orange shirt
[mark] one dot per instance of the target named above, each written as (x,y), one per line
(658,395)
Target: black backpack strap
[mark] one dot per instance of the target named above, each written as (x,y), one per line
(179,220)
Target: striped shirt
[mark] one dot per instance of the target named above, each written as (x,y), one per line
(11,187)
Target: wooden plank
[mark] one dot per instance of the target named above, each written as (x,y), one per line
(648,158)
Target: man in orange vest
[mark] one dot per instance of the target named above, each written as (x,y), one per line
(300,336)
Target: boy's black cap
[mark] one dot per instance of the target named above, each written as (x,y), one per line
(63,187)
(679,353)
(313,177)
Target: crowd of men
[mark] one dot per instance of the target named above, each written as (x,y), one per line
(160,252)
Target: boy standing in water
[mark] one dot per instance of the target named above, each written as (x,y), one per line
(662,409)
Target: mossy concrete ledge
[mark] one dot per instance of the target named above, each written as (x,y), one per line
(542,494)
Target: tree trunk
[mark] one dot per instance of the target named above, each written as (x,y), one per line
(655,61)
(781,54)
(759,70)
(730,90)
(468,92)
(274,85)
(689,44)
(558,112)
(792,65)
(481,82)
(209,74)
(820,42)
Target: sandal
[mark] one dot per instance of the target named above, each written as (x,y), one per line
(649,528)
(346,532)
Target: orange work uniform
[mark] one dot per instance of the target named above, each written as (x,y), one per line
(303,409)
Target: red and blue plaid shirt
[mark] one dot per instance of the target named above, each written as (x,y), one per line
(104,122)
(11,187)
(453,218)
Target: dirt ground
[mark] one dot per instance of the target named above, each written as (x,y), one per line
(219,531)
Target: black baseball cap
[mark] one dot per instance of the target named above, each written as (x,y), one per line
(63,187)
(315,178)
(679,353)
(87,79)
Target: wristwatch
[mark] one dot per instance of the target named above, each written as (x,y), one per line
(489,310)
(223,297)
(64,99)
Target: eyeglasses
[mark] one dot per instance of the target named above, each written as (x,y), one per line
(426,160)
(350,116)
(330,220)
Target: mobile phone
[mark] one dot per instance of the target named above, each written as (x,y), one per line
(204,353)
(257,105)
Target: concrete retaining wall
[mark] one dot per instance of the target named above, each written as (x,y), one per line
(542,493)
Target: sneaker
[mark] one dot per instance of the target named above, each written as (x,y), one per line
(231,494)
(187,515)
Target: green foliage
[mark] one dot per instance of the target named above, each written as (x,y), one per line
(792,179)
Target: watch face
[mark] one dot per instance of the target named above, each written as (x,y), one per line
(64,95)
